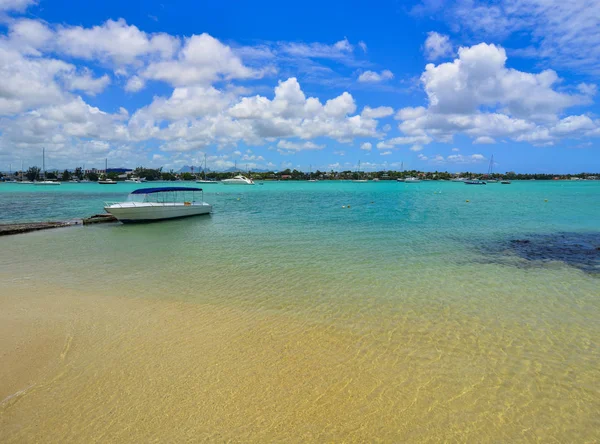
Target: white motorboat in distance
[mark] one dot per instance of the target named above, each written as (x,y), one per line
(238,180)
(133,180)
(107,182)
(412,180)
(47,182)
(153,204)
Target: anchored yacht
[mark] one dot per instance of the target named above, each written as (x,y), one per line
(238,180)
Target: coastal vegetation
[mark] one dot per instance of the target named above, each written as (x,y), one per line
(157,174)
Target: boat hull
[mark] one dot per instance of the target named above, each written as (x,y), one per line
(235,182)
(48,183)
(151,212)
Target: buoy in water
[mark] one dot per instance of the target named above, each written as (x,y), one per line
(343,206)
(348,206)
(466,200)
(545,200)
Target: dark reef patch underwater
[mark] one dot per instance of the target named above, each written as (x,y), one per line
(579,250)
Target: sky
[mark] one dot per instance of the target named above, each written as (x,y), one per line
(428,85)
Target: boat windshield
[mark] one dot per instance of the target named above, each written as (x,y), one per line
(166,197)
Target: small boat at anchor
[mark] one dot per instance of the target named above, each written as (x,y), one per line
(204,179)
(490,173)
(474,182)
(360,178)
(45,182)
(106,180)
(238,180)
(153,204)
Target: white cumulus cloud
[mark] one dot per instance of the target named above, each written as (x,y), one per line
(479,96)
(437,46)
(483,140)
(86,82)
(16,5)
(377,113)
(374,77)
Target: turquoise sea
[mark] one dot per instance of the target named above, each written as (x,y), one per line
(419,312)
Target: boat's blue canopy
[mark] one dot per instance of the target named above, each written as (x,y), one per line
(164,190)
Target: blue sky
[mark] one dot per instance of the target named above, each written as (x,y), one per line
(433,85)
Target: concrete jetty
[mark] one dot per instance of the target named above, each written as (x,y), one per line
(7,229)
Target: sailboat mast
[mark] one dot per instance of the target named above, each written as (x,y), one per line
(204,166)
(44,162)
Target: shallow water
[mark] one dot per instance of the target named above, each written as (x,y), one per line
(284,316)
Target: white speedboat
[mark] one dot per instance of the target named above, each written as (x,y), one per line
(238,180)
(411,180)
(46,182)
(360,180)
(107,182)
(459,179)
(152,204)
(133,180)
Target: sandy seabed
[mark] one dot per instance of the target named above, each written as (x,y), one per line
(84,367)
